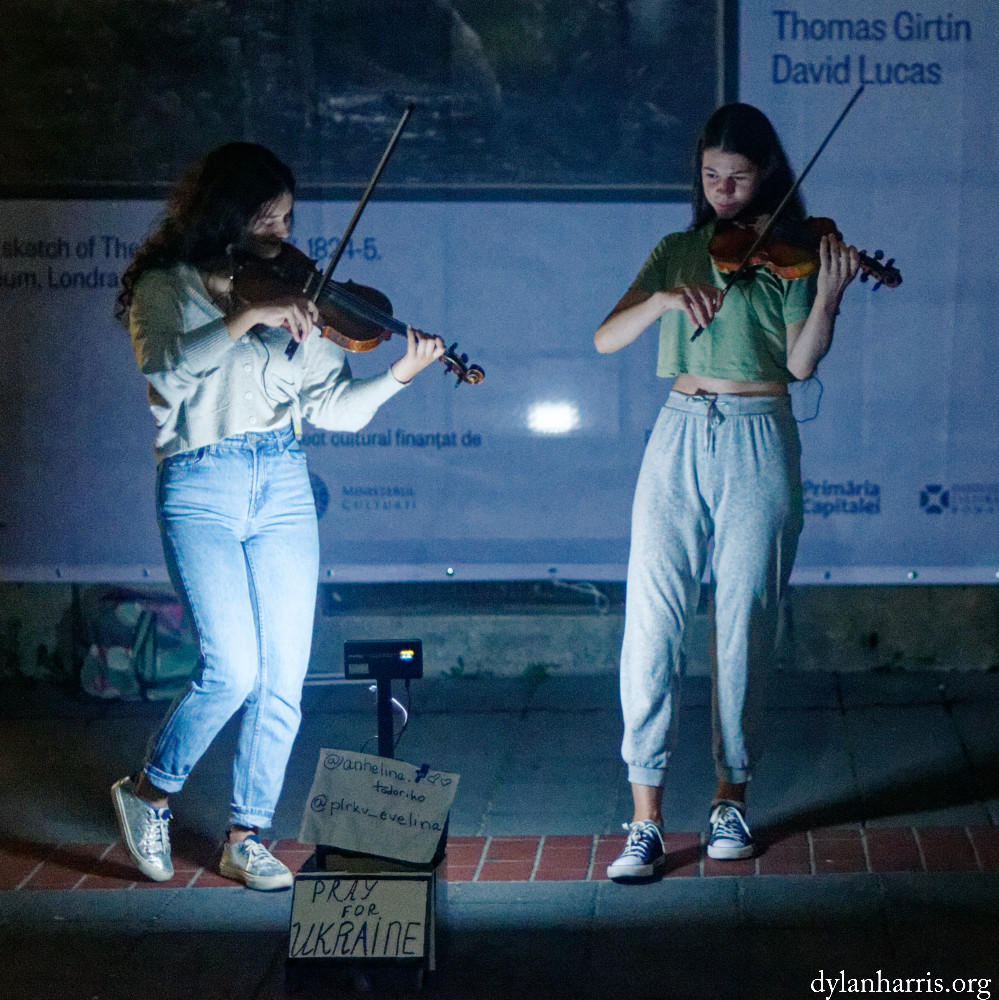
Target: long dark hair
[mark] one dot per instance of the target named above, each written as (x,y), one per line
(210,209)
(743,129)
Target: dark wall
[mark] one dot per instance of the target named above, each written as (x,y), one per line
(513,97)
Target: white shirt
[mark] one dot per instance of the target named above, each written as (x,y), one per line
(204,387)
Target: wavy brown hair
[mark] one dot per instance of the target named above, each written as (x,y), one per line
(208,211)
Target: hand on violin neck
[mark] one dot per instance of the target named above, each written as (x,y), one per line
(422,350)
(838,266)
(297,314)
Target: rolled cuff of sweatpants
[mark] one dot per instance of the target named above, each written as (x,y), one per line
(654,777)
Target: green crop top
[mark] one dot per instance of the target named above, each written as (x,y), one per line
(747,340)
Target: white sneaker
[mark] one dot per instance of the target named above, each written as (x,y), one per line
(249,862)
(145,831)
(730,836)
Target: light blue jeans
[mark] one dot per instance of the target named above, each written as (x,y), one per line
(238,521)
(722,467)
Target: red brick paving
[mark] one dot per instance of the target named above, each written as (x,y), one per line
(564,859)
(947,849)
(893,849)
(986,841)
(19,860)
(745,866)
(512,849)
(849,849)
(509,859)
(683,854)
(506,871)
(791,855)
(838,851)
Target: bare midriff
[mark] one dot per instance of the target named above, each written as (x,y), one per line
(703,385)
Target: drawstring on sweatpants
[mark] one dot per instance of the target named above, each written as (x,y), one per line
(713,418)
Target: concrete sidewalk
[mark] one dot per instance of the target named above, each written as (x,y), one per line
(875,801)
(679,938)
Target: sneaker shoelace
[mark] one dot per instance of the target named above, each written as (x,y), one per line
(258,857)
(641,836)
(729,826)
(155,837)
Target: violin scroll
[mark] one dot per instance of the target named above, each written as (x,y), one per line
(886,273)
(457,364)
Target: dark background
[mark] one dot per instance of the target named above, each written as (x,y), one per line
(514,98)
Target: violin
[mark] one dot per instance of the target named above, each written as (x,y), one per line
(790,249)
(356,317)
(799,246)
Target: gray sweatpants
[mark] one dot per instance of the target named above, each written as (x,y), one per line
(722,467)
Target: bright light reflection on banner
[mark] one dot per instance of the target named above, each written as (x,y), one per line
(553,418)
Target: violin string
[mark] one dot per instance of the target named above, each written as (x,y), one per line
(338,295)
(364,310)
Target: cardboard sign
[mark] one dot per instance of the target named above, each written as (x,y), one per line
(377,805)
(370,917)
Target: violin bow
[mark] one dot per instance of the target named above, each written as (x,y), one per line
(348,232)
(765,232)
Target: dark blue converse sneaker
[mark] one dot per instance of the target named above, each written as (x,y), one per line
(644,854)
(730,837)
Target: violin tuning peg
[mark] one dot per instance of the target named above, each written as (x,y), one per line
(863,276)
(879,254)
(877,286)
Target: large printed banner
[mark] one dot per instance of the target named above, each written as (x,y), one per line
(527,474)
(900,463)
(531,473)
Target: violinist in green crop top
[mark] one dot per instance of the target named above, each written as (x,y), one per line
(722,465)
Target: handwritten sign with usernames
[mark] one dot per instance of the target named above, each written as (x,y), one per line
(377,805)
